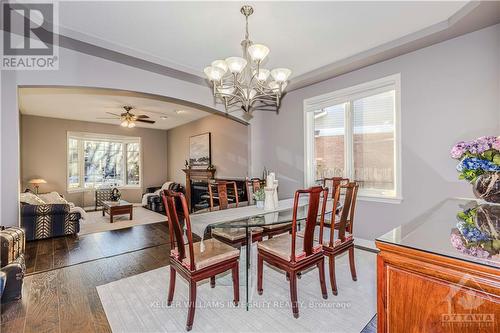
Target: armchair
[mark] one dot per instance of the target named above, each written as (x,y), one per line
(153,200)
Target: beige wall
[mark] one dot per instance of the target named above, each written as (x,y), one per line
(43,154)
(229,147)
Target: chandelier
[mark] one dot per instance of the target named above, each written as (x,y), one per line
(241,82)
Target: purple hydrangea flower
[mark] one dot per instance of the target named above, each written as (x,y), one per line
(459,149)
(496,144)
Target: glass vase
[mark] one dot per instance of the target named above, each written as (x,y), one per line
(487,187)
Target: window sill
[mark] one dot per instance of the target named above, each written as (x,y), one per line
(389,200)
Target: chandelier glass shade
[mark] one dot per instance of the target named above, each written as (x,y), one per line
(242,83)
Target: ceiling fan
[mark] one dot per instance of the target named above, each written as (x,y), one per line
(128,119)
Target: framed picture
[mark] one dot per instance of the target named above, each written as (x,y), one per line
(200,150)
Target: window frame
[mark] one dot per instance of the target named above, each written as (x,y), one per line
(123,140)
(347,96)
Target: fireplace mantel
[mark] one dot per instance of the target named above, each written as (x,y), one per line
(196,175)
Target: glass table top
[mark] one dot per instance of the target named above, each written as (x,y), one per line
(271,218)
(464,229)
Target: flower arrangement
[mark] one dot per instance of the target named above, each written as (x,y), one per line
(477,232)
(477,157)
(259,195)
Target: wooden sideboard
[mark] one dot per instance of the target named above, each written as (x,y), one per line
(424,292)
(429,282)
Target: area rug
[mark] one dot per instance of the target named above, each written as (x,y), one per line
(138,303)
(95,222)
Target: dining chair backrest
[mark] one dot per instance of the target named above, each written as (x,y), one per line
(351,190)
(333,182)
(255,184)
(175,227)
(314,193)
(252,186)
(335,206)
(354,197)
(221,189)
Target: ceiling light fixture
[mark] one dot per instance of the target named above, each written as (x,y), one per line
(242,83)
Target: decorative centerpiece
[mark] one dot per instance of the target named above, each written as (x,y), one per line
(259,197)
(271,192)
(478,232)
(480,166)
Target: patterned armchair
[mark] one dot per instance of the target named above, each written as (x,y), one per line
(49,220)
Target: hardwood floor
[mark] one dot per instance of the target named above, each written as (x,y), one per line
(60,252)
(66,299)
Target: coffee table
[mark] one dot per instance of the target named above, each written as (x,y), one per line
(119,207)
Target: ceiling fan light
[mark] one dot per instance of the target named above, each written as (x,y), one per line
(236,64)
(124,123)
(258,52)
(213,73)
(221,64)
(262,75)
(131,124)
(281,74)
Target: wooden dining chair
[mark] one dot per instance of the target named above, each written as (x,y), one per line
(295,254)
(338,235)
(190,261)
(219,191)
(332,184)
(232,236)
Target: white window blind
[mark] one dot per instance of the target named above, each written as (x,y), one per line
(355,134)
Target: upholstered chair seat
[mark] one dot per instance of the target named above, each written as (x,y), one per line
(280,246)
(278,226)
(215,252)
(234,234)
(326,236)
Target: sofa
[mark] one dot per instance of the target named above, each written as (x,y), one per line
(49,220)
(45,220)
(152,199)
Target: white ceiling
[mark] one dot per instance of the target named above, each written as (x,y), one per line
(89,104)
(302,36)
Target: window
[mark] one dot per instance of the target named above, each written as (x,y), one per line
(354,133)
(97,160)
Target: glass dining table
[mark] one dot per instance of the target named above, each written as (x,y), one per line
(262,218)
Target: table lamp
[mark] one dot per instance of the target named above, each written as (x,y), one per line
(36,183)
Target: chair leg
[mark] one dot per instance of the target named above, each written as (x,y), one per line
(192,305)
(293,294)
(236,283)
(321,268)
(171,287)
(331,260)
(260,269)
(351,263)
(212,282)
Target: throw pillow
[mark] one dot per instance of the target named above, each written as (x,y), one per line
(31,199)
